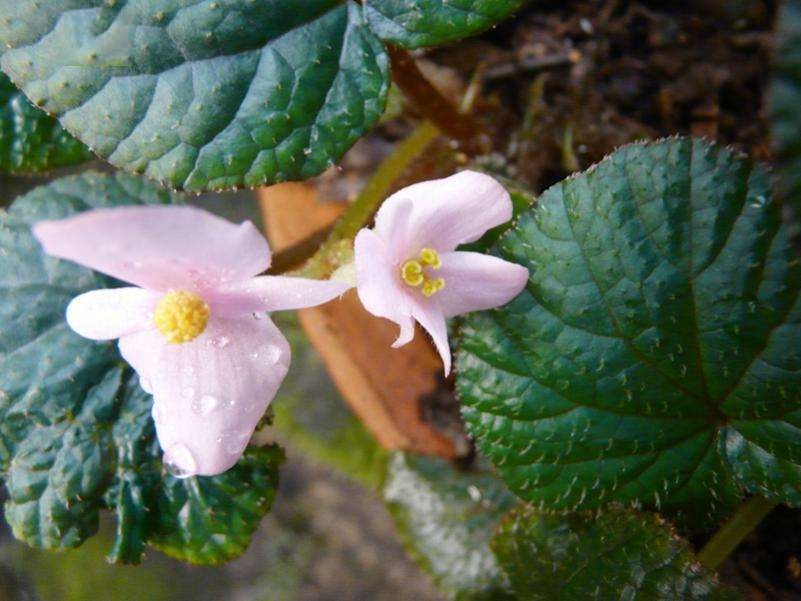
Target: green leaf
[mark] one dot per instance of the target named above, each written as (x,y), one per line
(784,98)
(202,95)
(76,435)
(445,518)
(655,354)
(616,555)
(31,140)
(210,520)
(416,23)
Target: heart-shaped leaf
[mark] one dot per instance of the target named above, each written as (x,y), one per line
(446,518)
(202,95)
(76,434)
(655,354)
(416,23)
(31,140)
(784,98)
(617,555)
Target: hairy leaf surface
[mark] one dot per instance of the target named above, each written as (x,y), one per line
(202,95)
(617,555)
(416,23)
(655,354)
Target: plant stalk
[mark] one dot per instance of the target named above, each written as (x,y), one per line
(727,539)
(328,256)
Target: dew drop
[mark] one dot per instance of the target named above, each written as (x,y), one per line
(205,404)
(220,341)
(188,370)
(188,392)
(180,462)
(233,442)
(272,354)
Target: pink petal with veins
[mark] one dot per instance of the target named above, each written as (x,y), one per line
(475,282)
(446,212)
(380,288)
(274,293)
(158,247)
(209,394)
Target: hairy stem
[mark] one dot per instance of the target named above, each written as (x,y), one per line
(427,99)
(329,256)
(740,525)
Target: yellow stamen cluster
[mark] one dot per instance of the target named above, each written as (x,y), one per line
(413,272)
(181,316)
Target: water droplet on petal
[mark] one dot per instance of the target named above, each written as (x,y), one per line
(219,341)
(146,385)
(188,370)
(188,392)
(272,354)
(233,442)
(205,405)
(259,315)
(180,462)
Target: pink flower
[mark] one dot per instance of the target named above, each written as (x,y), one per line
(407,267)
(194,329)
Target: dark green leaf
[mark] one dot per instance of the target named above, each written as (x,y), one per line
(655,354)
(416,23)
(31,140)
(210,520)
(784,98)
(445,518)
(76,434)
(617,555)
(204,95)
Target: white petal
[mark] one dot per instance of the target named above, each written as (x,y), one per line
(111,313)
(428,314)
(210,393)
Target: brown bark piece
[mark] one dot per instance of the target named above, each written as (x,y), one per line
(382,385)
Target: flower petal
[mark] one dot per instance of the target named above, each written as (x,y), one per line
(378,284)
(111,313)
(274,293)
(475,282)
(210,393)
(447,212)
(428,314)
(158,247)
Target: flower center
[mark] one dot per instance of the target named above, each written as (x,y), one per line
(414,273)
(181,316)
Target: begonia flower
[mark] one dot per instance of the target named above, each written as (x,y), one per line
(407,268)
(195,327)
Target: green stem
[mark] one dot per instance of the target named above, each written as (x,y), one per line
(740,525)
(330,254)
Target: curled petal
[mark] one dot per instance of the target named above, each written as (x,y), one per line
(428,314)
(111,313)
(209,394)
(379,286)
(274,293)
(158,247)
(475,282)
(446,212)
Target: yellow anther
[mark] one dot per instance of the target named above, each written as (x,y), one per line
(431,287)
(430,258)
(412,273)
(181,316)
